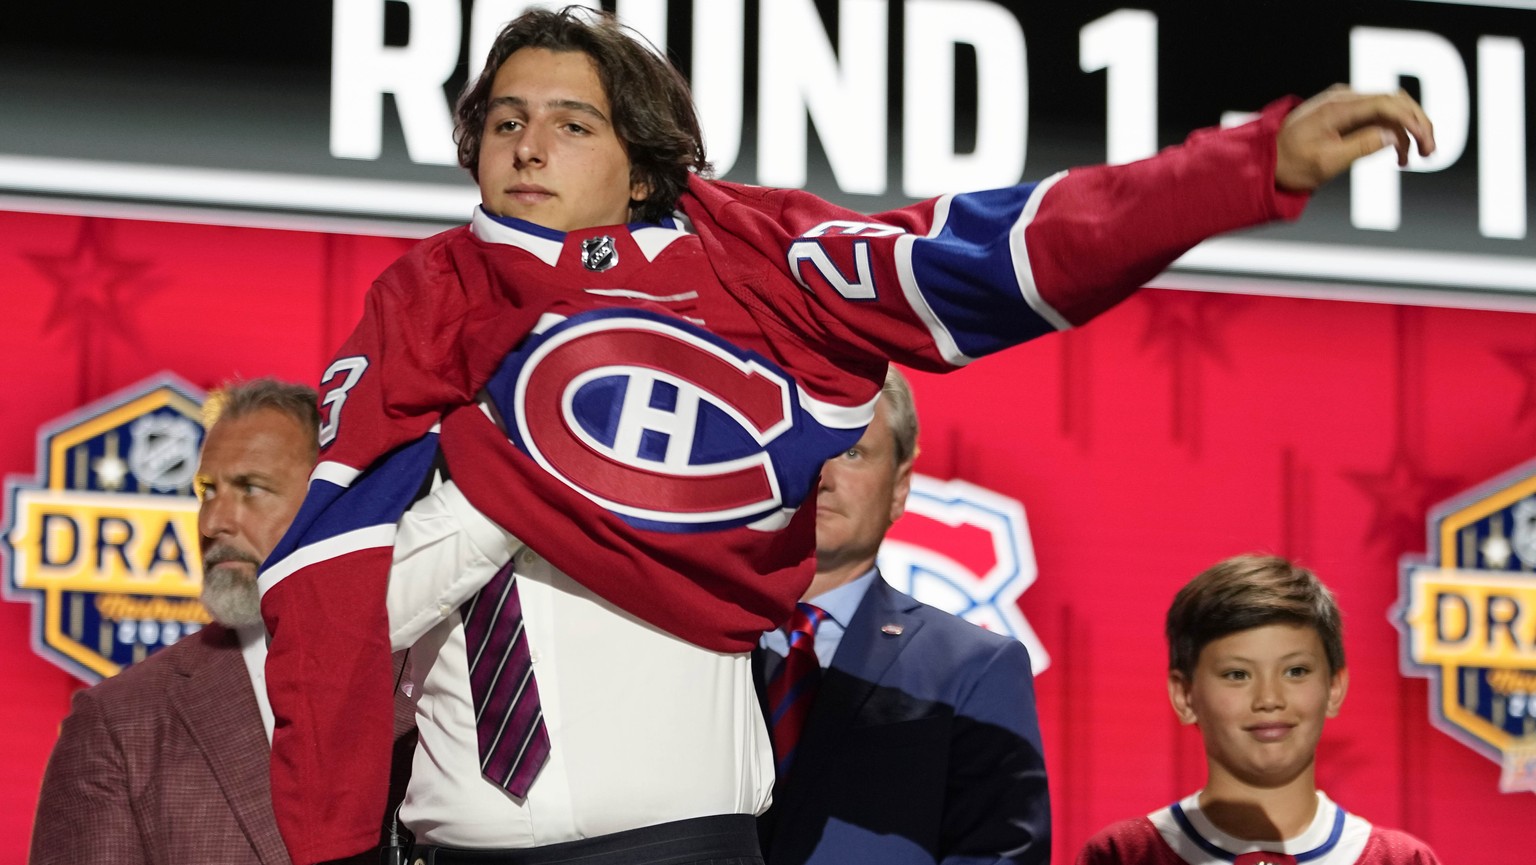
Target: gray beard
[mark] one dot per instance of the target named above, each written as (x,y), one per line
(231,597)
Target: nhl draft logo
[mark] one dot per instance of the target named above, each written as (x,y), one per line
(1467,615)
(966,550)
(103,542)
(164,451)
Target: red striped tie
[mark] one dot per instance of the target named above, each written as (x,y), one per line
(792,688)
(513,740)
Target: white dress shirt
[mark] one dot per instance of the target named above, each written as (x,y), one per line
(253,648)
(644,727)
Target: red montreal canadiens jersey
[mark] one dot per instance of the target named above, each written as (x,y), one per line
(1180,835)
(648,406)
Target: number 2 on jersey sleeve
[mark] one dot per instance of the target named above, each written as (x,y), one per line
(814,249)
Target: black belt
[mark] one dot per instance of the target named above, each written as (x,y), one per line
(726,836)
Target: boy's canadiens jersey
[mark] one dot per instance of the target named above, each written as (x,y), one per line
(648,407)
(1181,835)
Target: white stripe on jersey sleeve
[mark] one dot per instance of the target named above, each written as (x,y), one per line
(838,416)
(339,474)
(943,340)
(320,551)
(1021,268)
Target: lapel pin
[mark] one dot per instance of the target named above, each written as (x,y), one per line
(893,629)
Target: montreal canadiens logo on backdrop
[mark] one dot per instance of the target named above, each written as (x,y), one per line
(966,550)
(662,423)
(104,542)
(1467,614)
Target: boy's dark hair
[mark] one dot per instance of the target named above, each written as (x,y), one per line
(1245,592)
(653,112)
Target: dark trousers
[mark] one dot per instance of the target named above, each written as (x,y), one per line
(727,839)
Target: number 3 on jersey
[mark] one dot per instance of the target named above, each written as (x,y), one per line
(811,250)
(336,397)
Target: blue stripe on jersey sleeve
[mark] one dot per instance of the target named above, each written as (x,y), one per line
(379,496)
(966,273)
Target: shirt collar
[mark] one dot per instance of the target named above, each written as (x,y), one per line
(253,648)
(842,602)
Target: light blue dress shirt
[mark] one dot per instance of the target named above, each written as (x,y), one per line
(840,603)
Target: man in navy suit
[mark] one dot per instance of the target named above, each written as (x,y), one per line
(910,735)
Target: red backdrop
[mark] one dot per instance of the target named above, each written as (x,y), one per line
(1181,428)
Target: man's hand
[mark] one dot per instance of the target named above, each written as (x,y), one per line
(1327,133)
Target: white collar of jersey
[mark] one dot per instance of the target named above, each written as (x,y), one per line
(546,243)
(1335,837)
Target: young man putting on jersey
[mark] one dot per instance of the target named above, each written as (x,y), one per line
(631,409)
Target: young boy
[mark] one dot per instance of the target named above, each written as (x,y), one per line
(1256,658)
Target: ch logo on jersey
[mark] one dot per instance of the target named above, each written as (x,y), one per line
(660,422)
(1467,616)
(104,542)
(966,550)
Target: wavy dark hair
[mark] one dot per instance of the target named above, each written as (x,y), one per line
(653,112)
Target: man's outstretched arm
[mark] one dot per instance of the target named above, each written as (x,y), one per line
(1323,136)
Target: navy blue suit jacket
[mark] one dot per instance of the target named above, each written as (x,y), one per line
(922,746)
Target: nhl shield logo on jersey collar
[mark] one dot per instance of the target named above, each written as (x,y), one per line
(599,253)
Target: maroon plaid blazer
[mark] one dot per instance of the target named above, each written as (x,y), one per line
(165,763)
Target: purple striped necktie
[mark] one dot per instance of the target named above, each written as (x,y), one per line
(508,720)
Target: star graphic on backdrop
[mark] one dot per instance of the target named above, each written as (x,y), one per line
(1402,494)
(1187,329)
(1524,365)
(90,282)
(1496,551)
(111,471)
(1189,324)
